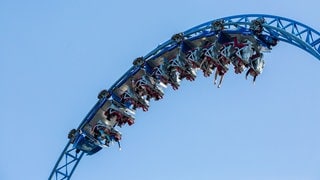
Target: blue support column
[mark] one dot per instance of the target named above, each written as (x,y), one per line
(66,163)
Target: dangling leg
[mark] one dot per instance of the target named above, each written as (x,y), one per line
(254,79)
(248,72)
(220,82)
(215,77)
(119,145)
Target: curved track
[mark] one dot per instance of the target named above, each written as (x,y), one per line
(263,31)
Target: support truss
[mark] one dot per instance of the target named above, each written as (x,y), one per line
(66,164)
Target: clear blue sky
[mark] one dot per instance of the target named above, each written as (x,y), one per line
(55,56)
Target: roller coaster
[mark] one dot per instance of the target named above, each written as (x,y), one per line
(213,47)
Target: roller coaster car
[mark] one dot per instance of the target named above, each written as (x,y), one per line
(100,136)
(109,114)
(161,69)
(162,75)
(242,56)
(192,49)
(256,66)
(147,86)
(179,64)
(193,57)
(214,58)
(173,75)
(137,90)
(126,93)
(119,113)
(105,133)
(222,63)
(86,143)
(179,61)
(136,100)
(208,56)
(131,96)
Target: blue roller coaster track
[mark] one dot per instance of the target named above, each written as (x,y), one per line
(280,28)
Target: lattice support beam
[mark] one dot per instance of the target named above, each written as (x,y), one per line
(66,163)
